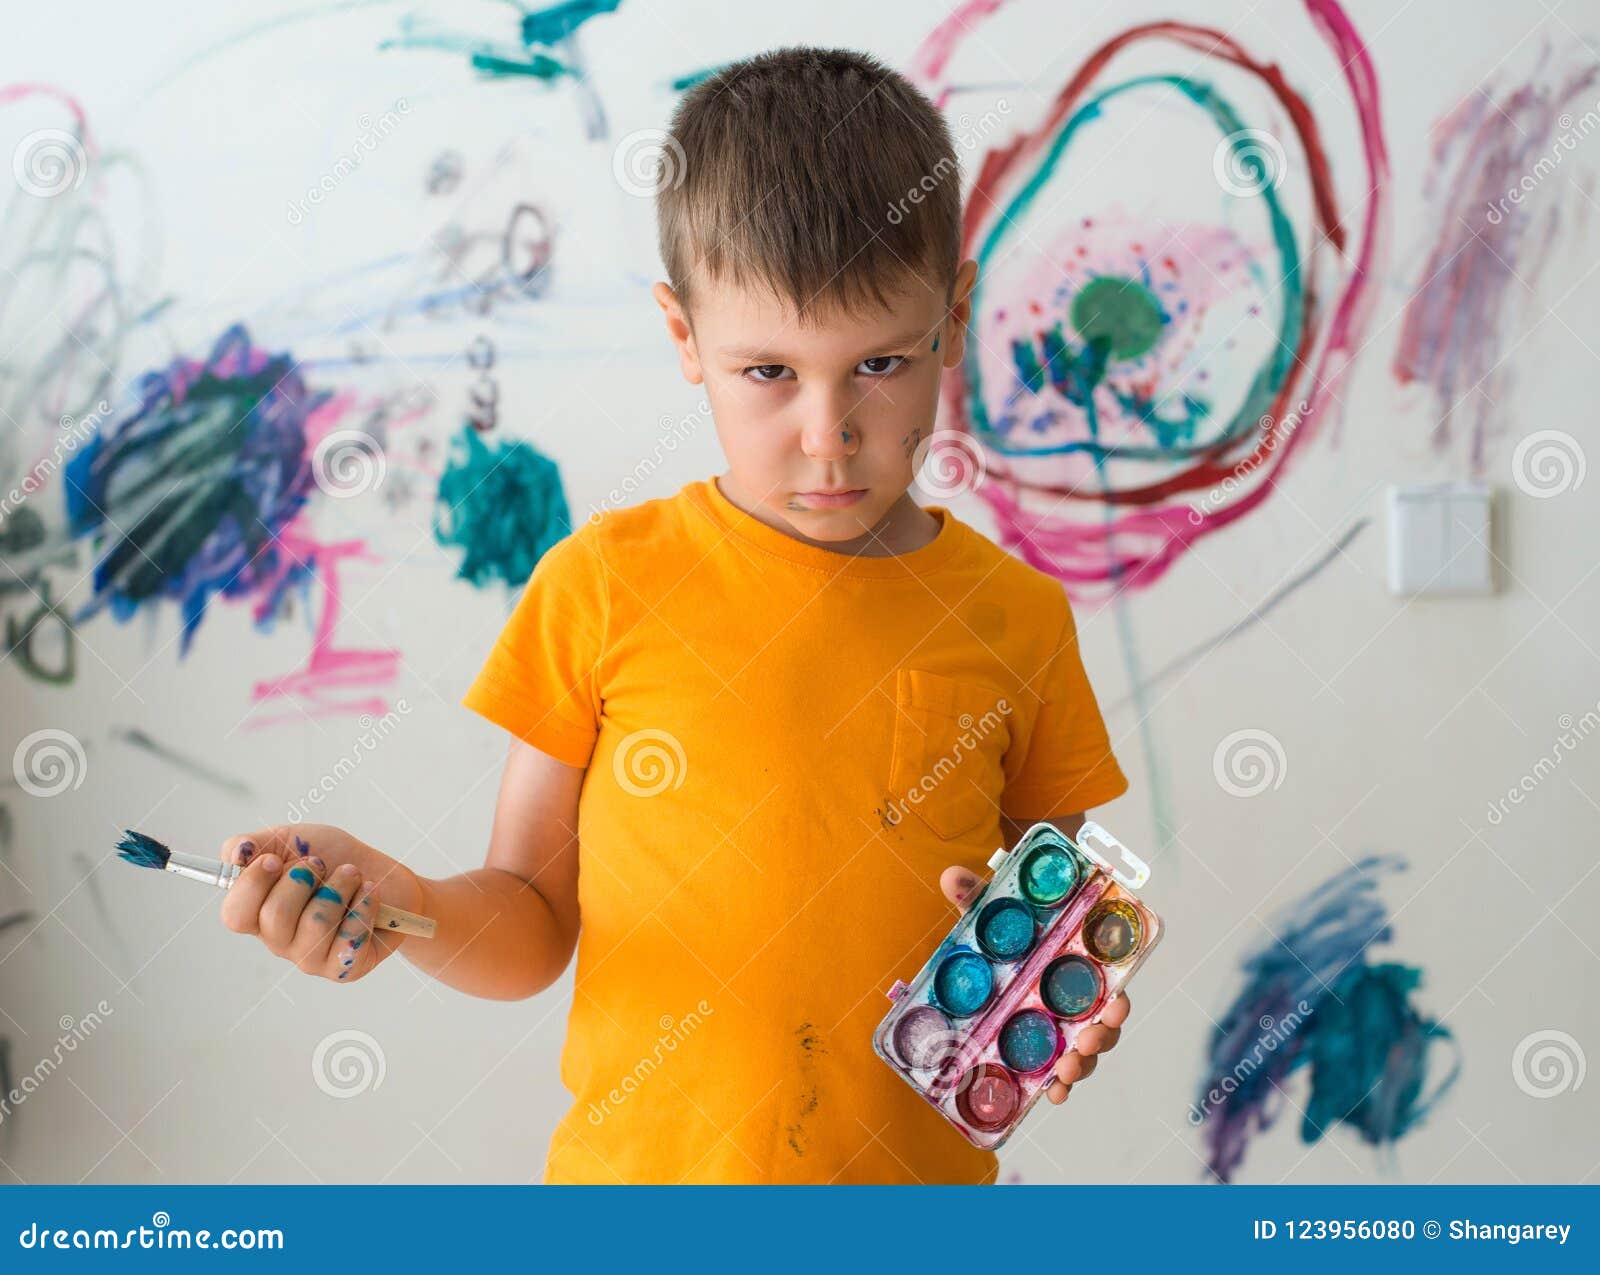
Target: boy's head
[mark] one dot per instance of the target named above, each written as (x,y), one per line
(811,233)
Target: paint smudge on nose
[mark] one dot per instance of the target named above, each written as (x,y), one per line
(503,505)
(1312,1001)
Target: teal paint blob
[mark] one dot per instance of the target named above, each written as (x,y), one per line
(963,983)
(1005,929)
(1029,1041)
(302,875)
(1071,986)
(504,505)
(1049,875)
(1368,1052)
(558,21)
(326,892)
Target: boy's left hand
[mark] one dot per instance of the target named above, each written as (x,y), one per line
(960,887)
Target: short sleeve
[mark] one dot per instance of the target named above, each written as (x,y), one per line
(1066,764)
(541,679)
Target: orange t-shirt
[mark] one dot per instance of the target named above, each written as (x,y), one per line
(785,747)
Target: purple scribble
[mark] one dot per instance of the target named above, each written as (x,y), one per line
(1491,159)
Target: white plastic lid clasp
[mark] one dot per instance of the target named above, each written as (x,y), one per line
(1125,867)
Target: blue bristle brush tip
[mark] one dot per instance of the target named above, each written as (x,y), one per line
(142,851)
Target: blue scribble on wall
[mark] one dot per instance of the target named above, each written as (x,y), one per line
(504,505)
(1310,1000)
(187,492)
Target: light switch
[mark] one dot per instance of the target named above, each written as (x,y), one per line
(1439,539)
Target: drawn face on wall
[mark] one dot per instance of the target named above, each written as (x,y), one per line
(820,422)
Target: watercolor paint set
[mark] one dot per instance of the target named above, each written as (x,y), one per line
(1052,937)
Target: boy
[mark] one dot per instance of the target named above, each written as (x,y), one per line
(754,723)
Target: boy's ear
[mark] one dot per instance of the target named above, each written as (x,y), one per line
(960,312)
(679,330)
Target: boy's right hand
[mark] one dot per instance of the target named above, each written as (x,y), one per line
(310,892)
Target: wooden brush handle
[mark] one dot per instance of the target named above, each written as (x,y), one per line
(399,921)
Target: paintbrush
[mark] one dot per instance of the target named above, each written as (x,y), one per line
(147,852)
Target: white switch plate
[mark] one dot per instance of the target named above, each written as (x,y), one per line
(1439,539)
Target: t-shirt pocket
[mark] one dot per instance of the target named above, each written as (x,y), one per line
(950,736)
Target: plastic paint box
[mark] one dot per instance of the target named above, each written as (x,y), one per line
(1052,937)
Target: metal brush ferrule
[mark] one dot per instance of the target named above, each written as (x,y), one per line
(211,872)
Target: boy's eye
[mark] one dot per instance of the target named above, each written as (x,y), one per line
(766,372)
(881,365)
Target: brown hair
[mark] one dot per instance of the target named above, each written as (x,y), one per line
(819,174)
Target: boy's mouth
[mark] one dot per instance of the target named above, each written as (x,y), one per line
(833,499)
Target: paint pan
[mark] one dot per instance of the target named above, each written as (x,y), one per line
(1029,1041)
(1072,987)
(988,1097)
(964,983)
(1113,931)
(923,1039)
(1054,935)
(1006,929)
(1049,875)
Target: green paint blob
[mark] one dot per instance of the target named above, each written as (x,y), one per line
(1121,315)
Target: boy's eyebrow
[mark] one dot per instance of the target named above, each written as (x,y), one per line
(754,354)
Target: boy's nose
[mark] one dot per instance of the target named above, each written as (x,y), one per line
(829,434)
